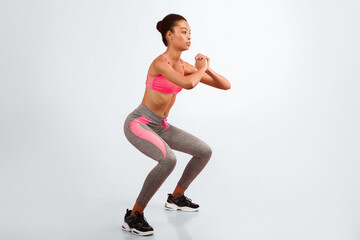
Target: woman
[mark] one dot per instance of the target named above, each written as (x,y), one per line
(147,128)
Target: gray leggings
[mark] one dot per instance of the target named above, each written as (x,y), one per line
(152,135)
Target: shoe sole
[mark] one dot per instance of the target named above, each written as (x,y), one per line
(174,207)
(134,231)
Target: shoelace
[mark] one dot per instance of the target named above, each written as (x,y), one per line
(183,198)
(165,124)
(187,199)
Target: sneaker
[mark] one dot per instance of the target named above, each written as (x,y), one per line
(180,202)
(136,224)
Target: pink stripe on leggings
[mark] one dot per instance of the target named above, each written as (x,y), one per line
(143,133)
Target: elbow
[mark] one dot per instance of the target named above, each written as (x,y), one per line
(227,87)
(187,83)
(189,86)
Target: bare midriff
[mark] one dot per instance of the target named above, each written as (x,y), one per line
(158,102)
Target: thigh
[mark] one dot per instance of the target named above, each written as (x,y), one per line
(183,141)
(145,139)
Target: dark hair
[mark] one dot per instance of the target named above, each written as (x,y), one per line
(168,23)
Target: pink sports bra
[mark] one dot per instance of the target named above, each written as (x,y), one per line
(161,84)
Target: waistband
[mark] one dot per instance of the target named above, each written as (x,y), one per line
(153,116)
(147,111)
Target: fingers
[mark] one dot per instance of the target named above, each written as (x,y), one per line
(200,57)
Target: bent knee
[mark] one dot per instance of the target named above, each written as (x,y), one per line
(205,152)
(169,162)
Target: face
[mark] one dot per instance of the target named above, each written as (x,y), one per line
(181,37)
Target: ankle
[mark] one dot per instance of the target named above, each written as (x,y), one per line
(137,208)
(178,191)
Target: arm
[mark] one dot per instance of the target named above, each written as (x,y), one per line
(211,78)
(187,82)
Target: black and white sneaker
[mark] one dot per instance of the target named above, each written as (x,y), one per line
(180,202)
(136,224)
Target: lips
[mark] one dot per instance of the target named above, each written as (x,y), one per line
(188,43)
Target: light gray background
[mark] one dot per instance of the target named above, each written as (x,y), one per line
(285,137)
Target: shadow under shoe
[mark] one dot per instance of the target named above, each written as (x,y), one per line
(136,224)
(180,202)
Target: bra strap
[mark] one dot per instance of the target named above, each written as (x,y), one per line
(171,64)
(166,58)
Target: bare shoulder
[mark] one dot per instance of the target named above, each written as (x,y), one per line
(156,64)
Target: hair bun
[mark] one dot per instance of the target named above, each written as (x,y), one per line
(159,26)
